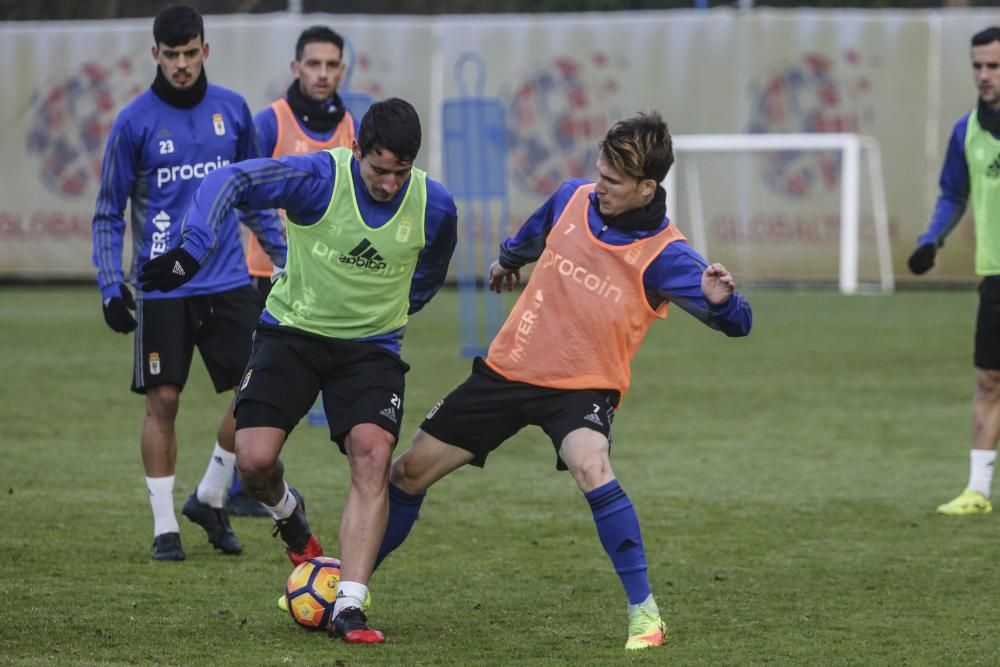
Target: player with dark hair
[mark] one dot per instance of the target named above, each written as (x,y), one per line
(370,237)
(972,168)
(310,117)
(609,263)
(161,146)
(177,25)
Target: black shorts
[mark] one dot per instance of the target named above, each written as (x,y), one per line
(168,330)
(362,383)
(987,355)
(262,284)
(487,409)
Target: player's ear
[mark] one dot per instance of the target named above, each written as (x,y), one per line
(356,149)
(294,66)
(156,53)
(647,187)
(204,51)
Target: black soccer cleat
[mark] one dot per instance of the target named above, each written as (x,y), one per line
(300,543)
(215,521)
(351,625)
(167,546)
(242,504)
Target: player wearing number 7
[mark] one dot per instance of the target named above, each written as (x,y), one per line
(609,263)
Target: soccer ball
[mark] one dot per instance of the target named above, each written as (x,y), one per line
(311,590)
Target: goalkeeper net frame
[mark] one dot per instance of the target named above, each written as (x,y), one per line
(844,172)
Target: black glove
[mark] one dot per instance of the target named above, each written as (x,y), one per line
(922,258)
(168,271)
(116,311)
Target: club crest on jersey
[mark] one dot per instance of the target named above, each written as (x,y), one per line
(404,228)
(220,127)
(154,363)
(632,255)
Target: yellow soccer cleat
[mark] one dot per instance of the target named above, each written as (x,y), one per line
(969,502)
(645,629)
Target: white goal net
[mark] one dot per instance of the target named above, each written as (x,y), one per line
(785,208)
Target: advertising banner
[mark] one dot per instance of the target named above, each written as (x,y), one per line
(902,77)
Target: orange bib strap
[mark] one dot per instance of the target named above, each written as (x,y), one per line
(292,140)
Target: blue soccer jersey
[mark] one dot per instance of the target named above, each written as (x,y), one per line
(156,157)
(954,183)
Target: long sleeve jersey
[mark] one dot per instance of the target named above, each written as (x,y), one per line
(156,157)
(303,185)
(674,276)
(954,183)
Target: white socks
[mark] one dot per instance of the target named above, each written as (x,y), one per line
(981,470)
(284,509)
(161,498)
(212,489)
(350,594)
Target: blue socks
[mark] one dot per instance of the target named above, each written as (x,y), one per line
(614,516)
(234,485)
(403,511)
(618,528)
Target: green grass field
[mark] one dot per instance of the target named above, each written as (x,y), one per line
(785,482)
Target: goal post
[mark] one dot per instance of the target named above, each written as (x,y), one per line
(793,177)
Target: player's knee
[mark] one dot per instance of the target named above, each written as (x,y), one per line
(251,467)
(369,449)
(988,384)
(406,475)
(163,401)
(253,462)
(590,467)
(397,473)
(370,443)
(592,473)
(586,454)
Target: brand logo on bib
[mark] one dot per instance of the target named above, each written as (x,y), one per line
(365,256)
(993,170)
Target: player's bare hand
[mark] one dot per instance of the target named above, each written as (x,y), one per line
(501,278)
(717,284)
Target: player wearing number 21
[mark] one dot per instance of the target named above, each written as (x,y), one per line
(370,237)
